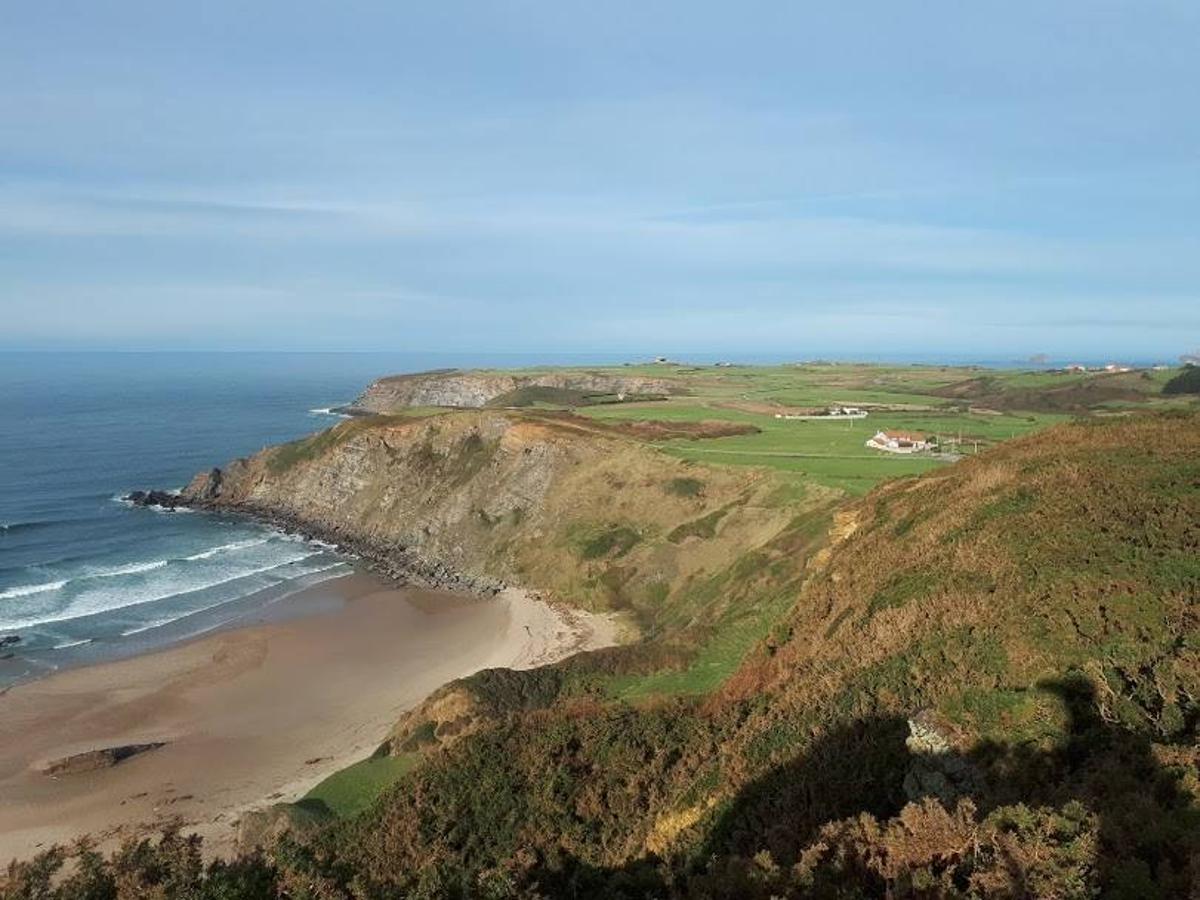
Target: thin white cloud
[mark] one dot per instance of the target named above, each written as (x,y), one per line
(578,231)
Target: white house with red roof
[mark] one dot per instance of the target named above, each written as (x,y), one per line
(898,442)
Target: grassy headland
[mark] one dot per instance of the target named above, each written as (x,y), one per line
(858,674)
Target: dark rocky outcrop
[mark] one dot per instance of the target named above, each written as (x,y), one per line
(205,486)
(157,499)
(392,559)
(91,760)
(937,767)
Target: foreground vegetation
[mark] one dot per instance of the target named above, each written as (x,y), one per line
(858,675)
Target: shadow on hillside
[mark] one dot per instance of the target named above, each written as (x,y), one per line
(1149,830)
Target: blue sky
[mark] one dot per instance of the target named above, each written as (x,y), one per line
(841,178)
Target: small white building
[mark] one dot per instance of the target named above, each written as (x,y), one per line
(834,412)
(897,442)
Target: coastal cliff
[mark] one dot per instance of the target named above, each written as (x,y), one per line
(477,499)
(454,388)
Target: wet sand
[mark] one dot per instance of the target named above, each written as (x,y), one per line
(255,714)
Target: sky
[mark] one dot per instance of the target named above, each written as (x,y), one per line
(975,179)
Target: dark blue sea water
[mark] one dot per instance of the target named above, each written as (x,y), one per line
(85,576)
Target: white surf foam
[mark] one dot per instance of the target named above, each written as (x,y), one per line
(293,538)
(25,590)
(90,604)
(138,568)
(67,644)
(131,569)
(301,578)
(226,548)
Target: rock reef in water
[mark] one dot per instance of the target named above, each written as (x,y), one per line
(157,499)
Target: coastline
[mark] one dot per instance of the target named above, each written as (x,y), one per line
(395,562)
(23,664)
(257,713)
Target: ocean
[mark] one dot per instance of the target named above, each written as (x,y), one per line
(84,576)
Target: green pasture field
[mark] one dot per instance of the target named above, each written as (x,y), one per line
(832,452)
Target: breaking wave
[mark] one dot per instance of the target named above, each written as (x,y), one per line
(26,590)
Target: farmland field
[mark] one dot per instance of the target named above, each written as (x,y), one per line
(833,453)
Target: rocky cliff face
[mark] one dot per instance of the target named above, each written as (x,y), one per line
(454,388)
(601,519)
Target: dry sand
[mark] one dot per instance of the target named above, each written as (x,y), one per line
(256,714)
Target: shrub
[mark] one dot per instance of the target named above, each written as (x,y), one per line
(609,540)
(1186,382)
(704,527)
(685,487)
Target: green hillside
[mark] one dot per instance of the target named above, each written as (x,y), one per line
(980,681)
(1035,606)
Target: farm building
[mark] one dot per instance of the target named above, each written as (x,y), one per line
(834,412)
(898,442)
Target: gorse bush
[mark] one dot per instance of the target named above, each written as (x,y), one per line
(171,867)
(605,540)
(685,487)
(1186,382)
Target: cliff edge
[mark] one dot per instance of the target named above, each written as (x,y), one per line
(477,499)
(471,389)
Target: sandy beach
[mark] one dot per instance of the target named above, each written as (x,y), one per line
(255,714)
